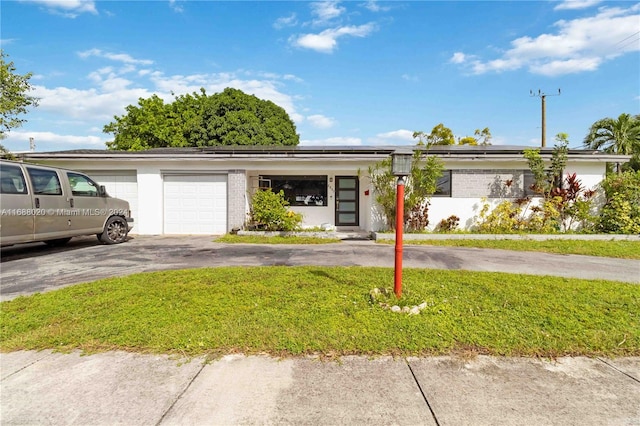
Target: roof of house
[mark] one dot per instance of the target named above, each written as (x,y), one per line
(356,152)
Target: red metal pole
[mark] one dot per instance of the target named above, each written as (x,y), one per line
(397,286)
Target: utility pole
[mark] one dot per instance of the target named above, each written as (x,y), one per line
(543,97)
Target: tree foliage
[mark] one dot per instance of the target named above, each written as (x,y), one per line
(441,135)
(15,98)
(621,212)
(228,118)
(548,180)
(419,186)
(468,140)
(483,137)
(615,136)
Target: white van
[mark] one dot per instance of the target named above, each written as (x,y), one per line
(40,203)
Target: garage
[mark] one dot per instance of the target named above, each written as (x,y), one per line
(195,204)
(120,184)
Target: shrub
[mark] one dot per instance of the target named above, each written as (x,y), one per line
(449,224)
(565,205)
(621,211)
(418,218)
(269,211)
(419,186)
(510,217)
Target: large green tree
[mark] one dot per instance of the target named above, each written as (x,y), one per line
(231,117)
(15,98)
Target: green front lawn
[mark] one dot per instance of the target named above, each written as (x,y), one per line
(619,249)
(304,310)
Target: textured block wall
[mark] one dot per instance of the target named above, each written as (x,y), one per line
(470,183)
(236,199)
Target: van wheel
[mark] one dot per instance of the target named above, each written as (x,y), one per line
(115,231)
(57,242)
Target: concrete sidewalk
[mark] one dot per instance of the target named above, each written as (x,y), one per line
(123,388)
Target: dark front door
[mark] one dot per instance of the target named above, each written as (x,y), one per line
(347,201)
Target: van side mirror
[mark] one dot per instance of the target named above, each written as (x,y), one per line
(103,191)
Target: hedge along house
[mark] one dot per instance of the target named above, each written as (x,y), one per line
(208,190)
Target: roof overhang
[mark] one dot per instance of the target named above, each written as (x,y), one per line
(314,153)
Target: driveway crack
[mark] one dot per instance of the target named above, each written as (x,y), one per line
(618,370)
(204,364)
(424,396)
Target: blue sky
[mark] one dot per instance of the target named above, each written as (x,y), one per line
(348,73)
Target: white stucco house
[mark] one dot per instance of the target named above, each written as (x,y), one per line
(208,190)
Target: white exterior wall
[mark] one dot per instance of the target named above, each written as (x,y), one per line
(467,207)
(243,177)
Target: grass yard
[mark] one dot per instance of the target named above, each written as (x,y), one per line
(260,239)
(619,249)
(302,310)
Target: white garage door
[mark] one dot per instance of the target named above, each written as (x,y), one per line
(195,204)
(122,185)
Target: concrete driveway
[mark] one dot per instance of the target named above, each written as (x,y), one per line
(32,268)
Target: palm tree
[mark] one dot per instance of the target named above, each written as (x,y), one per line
(615,136)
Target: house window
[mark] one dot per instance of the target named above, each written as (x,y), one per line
(443,186)
(298,190)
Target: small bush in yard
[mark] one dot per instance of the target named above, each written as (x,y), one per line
(449,224)
(621,212)
(269,211)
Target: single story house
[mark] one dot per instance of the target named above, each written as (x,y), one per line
(208,190)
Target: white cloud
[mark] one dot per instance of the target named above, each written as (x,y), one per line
(67,8)
(176,6)
(578,45)
(19,139)
(90,104)
(292,78)
(285,21)
(320,121)
(569,66)
(402,134)
(576,4)
(327,40)
(325,11)
(374,6)
(336,141)
(112,91)
(118,57)
(396,137)
(409,77)
(458,58)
